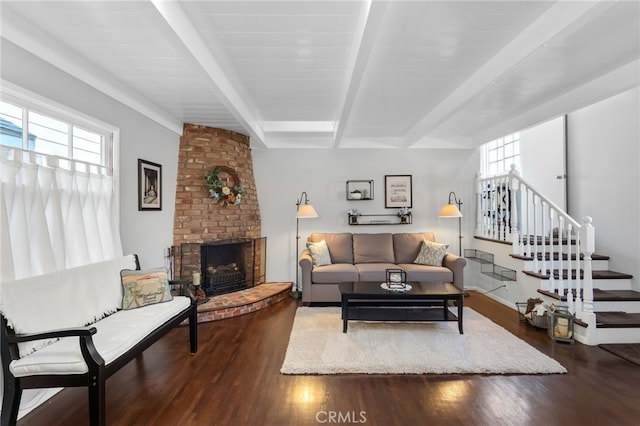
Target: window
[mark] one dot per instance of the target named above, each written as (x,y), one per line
(498,155)
(53,133)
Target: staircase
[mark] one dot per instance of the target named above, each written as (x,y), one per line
(616,306)
(554,254)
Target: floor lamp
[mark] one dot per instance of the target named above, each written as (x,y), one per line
(303,211)
(450,210)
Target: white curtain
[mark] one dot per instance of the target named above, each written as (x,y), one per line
(54,214)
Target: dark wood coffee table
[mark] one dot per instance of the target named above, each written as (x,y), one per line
(426,301)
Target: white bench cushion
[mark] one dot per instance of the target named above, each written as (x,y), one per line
(116,334)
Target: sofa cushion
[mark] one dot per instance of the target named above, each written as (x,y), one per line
(406,246)
(374,271)
(431,253)
(340,245)
(334,273)
(141,288)
(373,248)
(426,273)
(319,253)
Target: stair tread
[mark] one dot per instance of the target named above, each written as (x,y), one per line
(594,256)
(617,320)
(614,320)
(596,274)
(600,295)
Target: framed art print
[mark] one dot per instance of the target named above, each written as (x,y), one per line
(397,191)
(149,185)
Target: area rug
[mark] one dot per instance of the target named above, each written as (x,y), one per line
(317,345)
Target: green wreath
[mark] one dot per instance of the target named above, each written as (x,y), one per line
(223,192)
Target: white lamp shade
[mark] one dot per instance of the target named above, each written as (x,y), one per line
(306,211)
(450,210)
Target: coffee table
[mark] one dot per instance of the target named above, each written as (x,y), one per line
(426,301)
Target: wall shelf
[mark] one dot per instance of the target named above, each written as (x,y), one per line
(364,186)
(478,256)
(488,267)
(380,219)
(498,272)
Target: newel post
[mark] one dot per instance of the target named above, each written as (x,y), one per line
(588,315)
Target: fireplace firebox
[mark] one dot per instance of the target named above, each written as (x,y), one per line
(225,265)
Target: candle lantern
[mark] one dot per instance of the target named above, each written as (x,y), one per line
(560,326)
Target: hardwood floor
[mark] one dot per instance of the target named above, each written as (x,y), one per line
(234,380)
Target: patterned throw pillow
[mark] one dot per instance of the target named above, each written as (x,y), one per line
(431,253)
(141,288)
(319,253)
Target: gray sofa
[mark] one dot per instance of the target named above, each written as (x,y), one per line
(366,257)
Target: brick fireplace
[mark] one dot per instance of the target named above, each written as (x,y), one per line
(200,221)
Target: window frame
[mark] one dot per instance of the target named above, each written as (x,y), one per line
(486,149)
(30,101)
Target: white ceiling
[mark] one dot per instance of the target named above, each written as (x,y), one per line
(341,74)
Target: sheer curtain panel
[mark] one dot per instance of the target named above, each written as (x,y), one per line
(55,214)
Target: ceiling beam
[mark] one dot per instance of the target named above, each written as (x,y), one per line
(366,34)
(183,28)
(558,18)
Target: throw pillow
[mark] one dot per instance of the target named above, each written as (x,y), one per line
(141,288)
(431,253)
(319,253)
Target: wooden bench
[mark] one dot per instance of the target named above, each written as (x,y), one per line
(68,329)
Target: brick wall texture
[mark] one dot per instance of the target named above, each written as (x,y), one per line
(198,217)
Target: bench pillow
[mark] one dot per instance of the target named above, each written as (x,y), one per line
(141,288)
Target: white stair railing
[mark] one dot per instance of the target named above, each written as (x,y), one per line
(511,209)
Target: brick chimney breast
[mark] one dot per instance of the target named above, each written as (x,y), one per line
(198,217)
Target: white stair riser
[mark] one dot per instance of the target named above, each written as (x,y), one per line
(597,265)
(608,335)
(623,284)
(618,335)
(628,307)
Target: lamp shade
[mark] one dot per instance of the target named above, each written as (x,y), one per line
(450,210)
(306,211)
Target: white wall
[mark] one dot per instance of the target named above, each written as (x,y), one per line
(146,233)
(604,178)
(282,175)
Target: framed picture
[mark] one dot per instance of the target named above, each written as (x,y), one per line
(149,185)
(397,191)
